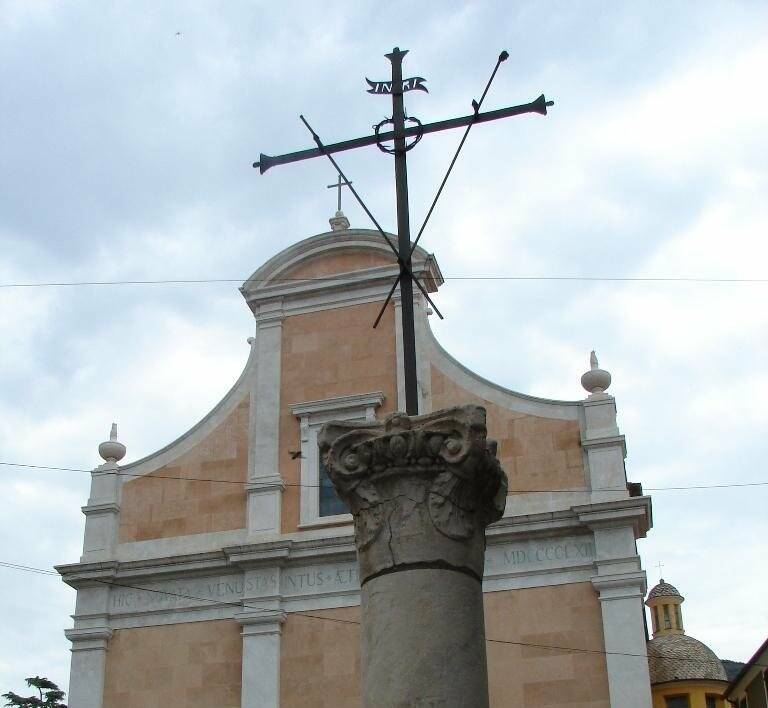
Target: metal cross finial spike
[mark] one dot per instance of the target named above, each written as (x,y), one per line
(396,87)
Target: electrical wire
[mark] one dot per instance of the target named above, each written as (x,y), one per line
(342,276)
(242,605)
(151,475)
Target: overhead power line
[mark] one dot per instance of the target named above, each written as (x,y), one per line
(245,605)
(347,276)
(152,475)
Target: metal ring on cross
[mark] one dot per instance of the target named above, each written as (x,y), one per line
(408,146)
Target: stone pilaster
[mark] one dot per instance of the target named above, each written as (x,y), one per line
(620,583)
(89,661)
(265,485)
(261,657)
(102,514)
(422,490)
(89,638)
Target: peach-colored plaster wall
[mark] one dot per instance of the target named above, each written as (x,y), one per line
(567,616)
(338,263)
(194,665)
(321,666)
(536,453)
(326,354)
(320,660)
(153,506)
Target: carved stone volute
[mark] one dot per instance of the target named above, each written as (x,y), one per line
(422,489)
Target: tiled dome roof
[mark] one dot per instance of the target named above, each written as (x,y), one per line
(663,590)
(676,657)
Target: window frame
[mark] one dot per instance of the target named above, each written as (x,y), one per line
(312,416)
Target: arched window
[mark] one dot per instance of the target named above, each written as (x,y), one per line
(667,618)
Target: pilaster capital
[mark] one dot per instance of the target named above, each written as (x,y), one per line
(620,586)
(88,638)
(267,483)
(632,511)
(270,314)
(260,622)
(432,481)
(606,441)
(91,509)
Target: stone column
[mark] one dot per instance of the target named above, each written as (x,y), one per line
(422,490)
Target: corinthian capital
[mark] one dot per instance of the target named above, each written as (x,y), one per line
(422,489)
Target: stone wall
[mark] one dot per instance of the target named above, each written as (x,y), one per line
(320,662)
(321,666)
(153,506)
(530,677)
(194,665)
(336,262)
(536,453)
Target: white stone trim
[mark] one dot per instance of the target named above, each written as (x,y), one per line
(261,658)
(340,289)
(621,604)
(265,485)
(89,636)
(312,416)
(595,542)
(269,273)
(178,545)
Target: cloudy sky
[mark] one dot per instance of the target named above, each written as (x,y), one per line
(127,131)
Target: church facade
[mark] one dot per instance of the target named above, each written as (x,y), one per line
(220,571)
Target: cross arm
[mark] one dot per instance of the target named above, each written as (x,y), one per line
(538,106)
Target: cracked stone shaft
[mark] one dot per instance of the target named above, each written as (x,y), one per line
(422,491)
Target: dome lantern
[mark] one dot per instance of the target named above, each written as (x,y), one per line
(664,601)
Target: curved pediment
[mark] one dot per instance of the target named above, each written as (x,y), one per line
(351,260)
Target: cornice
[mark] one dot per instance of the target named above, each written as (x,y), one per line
(100,508)
(605,441)
(358,400)
(299,549)
(635,511)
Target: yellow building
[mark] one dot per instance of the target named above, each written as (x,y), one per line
(685,673)
(749,688)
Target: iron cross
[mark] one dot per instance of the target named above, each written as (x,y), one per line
(399,135)
(338,185)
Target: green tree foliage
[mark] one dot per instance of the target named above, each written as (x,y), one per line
(51,696)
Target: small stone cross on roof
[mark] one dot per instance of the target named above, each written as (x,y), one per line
(338,185)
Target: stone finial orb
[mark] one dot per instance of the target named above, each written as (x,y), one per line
(111,450)
(339,222)
(596,380)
